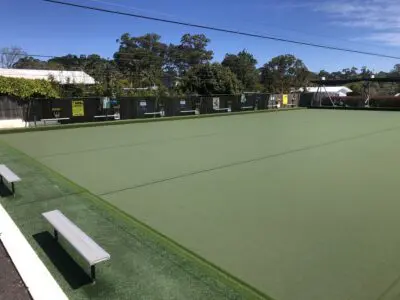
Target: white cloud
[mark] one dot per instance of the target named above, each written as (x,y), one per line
(389,38)
(382,17)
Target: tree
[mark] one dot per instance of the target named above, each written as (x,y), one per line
(243,65)
(350,73)
(324,74)
(190,52)
(70,62)
(209,79)
(396,73)
(27,88)
(365,72)
(283,73)
(396,70)
(31,63)
(36,64)
(9,56)
(96,66)
(141,58)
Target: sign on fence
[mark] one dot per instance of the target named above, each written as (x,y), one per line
(78,108)
(106,102)
(216,103)
(56,112)
(285,99)
(243,99)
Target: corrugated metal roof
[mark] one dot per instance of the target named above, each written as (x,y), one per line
(329,89)
(62,77)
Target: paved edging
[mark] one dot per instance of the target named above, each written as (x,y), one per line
(38,280)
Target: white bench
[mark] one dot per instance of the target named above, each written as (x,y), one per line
(9,176)
(159,113)
(54,120)
(86,247)
(105,116)
(222,109)
(188,112)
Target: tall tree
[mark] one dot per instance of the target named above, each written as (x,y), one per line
(96,66)
(396,70)
(396,73)
(70,62)
(365,72)
(36,64)
(350,73)
(209,79)
(141,58)
(191,51)
(324,74)
(283,73)
(9,56)
(30,63)
(243,65)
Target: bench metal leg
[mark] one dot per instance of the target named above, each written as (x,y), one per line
(56,235)
(13,188)
(93,273)
(1,179)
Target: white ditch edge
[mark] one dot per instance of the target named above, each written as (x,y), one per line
(38,280)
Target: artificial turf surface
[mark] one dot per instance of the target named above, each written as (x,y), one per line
(143,265)
(300,205)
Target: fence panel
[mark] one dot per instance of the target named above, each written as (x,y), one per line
(11,108)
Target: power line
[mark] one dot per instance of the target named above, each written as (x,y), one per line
(23,55)
(277,39)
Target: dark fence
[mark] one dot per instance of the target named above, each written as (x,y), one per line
(12,108)
(316,99)
(75,110)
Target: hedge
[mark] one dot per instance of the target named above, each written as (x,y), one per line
(27,88)
(357,101)
(385,101)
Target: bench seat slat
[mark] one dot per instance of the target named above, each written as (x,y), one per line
(153,113)
(86,247)
(8,174)
(55,119)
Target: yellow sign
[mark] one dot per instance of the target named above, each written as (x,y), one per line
(285,99)
(78,108)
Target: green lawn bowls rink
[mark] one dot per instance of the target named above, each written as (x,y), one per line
(299,205)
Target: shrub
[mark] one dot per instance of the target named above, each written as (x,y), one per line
(27,88)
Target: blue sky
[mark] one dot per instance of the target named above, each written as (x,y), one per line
(369,25)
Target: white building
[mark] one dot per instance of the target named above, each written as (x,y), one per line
(62,77)
(338,90)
